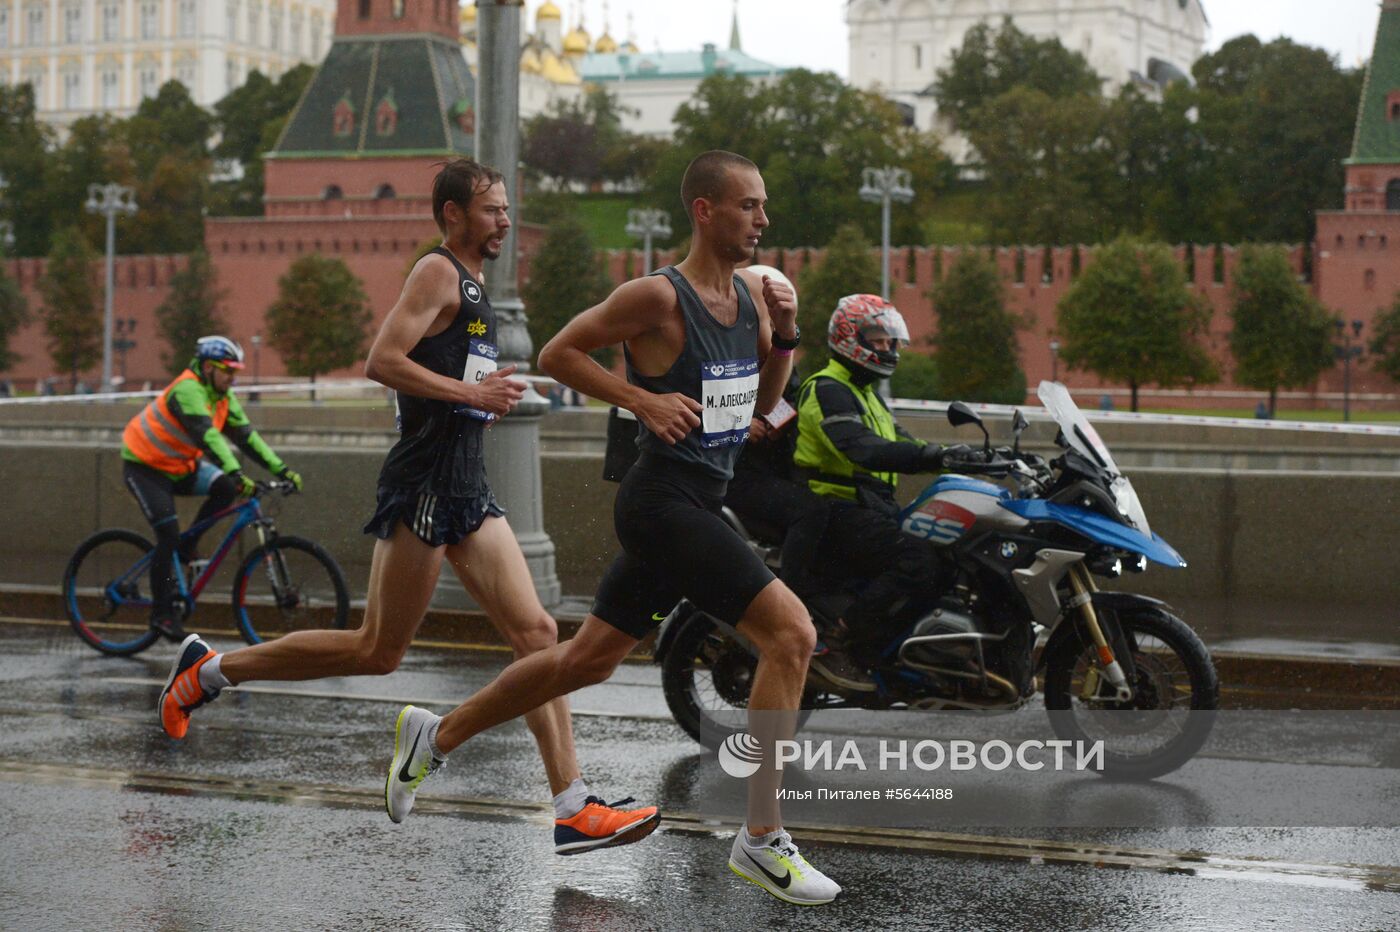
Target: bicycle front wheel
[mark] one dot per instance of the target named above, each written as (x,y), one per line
(291,584)
(107,592)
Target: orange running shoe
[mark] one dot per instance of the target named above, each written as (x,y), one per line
(182,693)
(603,825)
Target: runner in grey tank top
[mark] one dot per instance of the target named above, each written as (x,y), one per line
(718,367)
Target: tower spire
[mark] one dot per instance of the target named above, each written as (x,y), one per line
(734,45)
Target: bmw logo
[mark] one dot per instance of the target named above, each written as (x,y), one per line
(1009,550)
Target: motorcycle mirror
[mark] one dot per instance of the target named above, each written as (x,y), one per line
(960,414)
(1018,424)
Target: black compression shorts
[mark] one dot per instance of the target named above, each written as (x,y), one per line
(675,544)
(437,520)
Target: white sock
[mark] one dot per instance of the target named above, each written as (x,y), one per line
(571,802)
(210,676)
(761,841)
(432,739)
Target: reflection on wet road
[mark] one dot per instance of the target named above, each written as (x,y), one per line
(270,815)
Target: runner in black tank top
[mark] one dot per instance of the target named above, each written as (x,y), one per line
(434,507)
(434,478)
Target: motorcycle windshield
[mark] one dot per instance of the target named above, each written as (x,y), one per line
(1082,436)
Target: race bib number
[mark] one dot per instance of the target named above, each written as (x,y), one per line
(481,362)
(728,391)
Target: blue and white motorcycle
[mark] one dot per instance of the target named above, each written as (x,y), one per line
(1023,614)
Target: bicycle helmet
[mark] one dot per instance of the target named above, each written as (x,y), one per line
(856,317)
(218,349)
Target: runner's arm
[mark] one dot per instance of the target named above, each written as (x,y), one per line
(773,376)
(431,288)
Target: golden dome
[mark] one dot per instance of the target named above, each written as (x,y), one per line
(606,43)
(530,61)
(469,12)
(548,11)
(631,48)
(576,42)
(558,71)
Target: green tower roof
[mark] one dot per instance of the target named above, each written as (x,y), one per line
(384,95)
(1377,138)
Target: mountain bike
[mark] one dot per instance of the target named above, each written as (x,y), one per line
(285,584)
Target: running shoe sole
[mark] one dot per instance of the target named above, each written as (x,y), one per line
(625,836)
(734,866)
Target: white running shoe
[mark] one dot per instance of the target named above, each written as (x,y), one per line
(413,761)
(780,869)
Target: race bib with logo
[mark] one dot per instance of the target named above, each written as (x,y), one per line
(481,362)
(728,391)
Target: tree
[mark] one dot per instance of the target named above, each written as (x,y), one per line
(25,144)
(566,278)
(14,313)
(320,320)
(991,62)
(72,319)
(190,311)
(1130,318)
(976,351)
(249,120)
(847,268)
(1385,345)
(916,376)
(582,140)
(1282,334)
(810,135)
(1280,150)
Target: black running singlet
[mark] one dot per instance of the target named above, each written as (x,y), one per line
(718,367)
(440,444)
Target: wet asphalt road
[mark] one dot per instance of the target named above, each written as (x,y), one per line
(270,816)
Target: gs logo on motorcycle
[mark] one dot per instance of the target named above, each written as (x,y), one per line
(940,522)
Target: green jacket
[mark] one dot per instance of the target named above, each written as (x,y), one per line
(194,404)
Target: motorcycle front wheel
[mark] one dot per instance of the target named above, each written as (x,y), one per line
(1172,710)
(706,677)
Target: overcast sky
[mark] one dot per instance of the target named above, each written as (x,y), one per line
(812,33)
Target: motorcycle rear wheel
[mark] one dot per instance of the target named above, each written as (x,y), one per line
(1175,695)
(706,677)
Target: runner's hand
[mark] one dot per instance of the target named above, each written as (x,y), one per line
(759,430)
(782,306)
(246,486)
(669,416)
(497,393)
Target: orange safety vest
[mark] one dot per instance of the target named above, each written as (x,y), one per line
(156,437)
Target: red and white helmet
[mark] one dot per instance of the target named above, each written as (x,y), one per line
(856,317)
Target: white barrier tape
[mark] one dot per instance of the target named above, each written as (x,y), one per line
(1036,413)
(1033,413)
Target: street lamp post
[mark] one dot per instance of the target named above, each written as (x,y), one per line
(646,223)
(109,199)
(1054,360)
(126,328)
(257,380)
(7,229)
(885,185)
(1346,353)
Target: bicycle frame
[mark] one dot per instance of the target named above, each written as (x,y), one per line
(249,514)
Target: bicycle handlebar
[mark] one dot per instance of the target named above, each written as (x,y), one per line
(283,486)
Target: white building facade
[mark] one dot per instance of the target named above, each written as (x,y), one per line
(897,46)
(86,57)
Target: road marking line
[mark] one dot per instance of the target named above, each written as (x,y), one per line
(1350,877)
(381,697)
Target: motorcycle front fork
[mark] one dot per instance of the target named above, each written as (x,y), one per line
(1083,585)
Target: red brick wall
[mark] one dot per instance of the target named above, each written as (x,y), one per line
(296,187)
(435,16)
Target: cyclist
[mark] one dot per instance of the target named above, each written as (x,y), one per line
(437,350)
(851,450)
(179,445)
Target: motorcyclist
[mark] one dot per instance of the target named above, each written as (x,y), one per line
(178,445)
(851,451)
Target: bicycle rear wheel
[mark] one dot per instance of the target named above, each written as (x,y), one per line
(106,591)
(291,584)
